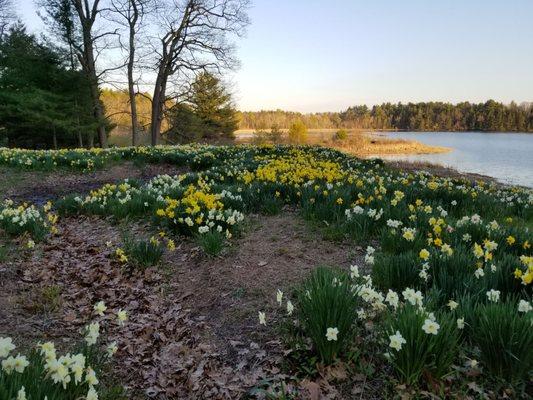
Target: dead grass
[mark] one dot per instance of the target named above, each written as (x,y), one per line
(363,145)
(359,143)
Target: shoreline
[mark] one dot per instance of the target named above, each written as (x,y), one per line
(448,172)
(358,143)
(368,146)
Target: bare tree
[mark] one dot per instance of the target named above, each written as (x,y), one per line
(195,38)
(6,15)
(75,23)
(131,14)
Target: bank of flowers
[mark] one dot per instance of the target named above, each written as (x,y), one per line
(451,260)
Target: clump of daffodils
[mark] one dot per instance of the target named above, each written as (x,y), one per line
(62,376)
(27,219)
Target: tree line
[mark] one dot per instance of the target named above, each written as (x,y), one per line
(429,116)
(175,48)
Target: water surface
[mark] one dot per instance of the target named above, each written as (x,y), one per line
(508,157)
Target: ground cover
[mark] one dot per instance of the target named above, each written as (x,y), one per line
(270,271)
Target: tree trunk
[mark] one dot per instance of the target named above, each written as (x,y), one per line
(54,138)
(98,109)
(133,101)
(134,120)
(90,69)
(80,139)
(158,101)
(131,87)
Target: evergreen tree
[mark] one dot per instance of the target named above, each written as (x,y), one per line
(298,132)
(42,103)
(207,113)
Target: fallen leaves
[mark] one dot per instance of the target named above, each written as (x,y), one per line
(165,349)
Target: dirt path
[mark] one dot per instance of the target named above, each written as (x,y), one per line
(193,329)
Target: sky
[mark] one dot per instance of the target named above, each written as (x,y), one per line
(326,55)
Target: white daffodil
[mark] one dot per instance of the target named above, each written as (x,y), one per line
(6,346)
(331,334)
(90,377)
(99,308)
(493,295)
(453,305)
(354,271)
(290,308)
(396,341)
(21,394)
(392,299)
(279,297)
(262,318)
(122,317)
(430,327)
(111,349)
(524,306)
(91,394)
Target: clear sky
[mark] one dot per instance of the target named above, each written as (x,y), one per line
(325,55)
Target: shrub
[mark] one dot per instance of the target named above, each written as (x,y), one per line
(259,137)
(327,305)
(297,132)
(341,134)
(505,339)
(422,353)
(275,134)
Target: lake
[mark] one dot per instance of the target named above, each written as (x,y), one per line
(508,157)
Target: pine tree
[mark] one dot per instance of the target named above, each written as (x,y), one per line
(207,113)
(42,103)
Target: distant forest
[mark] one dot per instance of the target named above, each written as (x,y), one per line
(431,116)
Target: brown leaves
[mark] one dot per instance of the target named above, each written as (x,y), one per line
(166,349)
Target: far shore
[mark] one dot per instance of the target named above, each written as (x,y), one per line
(361,143)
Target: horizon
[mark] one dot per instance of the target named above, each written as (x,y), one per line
(518,103)
(412,52)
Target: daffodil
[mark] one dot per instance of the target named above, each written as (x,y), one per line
(21,394)
(279,297)
(122,317)
(453,305)
(424,254)
(396,341)
(6,346)
(262,318)
(331,334)
(493,295)
(430,327)
(524,306)
(290,307)
(99,308)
